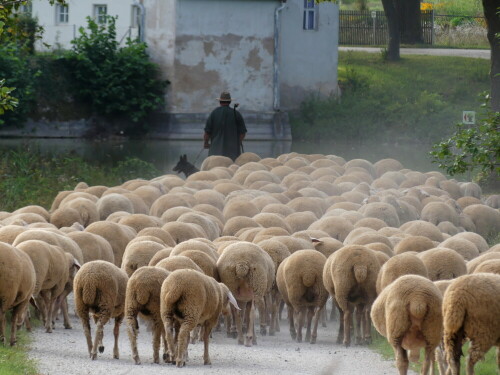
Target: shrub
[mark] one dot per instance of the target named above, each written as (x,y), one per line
(117,82)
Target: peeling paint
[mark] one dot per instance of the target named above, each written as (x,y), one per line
(254,60)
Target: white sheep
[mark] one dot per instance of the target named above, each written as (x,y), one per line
(188,299)
(100,289)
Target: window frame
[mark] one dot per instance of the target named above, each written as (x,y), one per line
(310,8)
(100,18)
(62,10)
(135,14)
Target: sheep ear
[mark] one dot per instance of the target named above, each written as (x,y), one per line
(232,300)
(316,241)
(76,264)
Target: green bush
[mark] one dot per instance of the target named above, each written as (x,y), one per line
(14,66)
(117,82)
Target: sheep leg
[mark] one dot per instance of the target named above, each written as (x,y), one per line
(298,316)
(239,329)
(440,359)
(347,325)
(132,336)
(84,317)
(169,334)
(274,310)
(368,326)
(182,343)
(319,312)
(3,325)
(323,317)
(359,321)
(476,354)
(291,319)
(310,314)
(261,306)
(165,345)
(402,362)
(250,338)
(64,309)
(97,340)
(47,310)
(428,361)
(157,334)
(207,328)
(453,347)
(116,333)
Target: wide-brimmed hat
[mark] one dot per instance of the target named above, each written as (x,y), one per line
(225,96)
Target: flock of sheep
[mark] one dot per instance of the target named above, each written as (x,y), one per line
(403,249)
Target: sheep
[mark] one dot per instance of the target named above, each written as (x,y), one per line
(52,273)
(176,262)
(473,264)
(408,313)
(248,271)
(326,245)
(110,203)
(181,232)
(210,227)
(100,289)
(33,209)
(437,212)
(422,228)
(159,233)
(117,235)
(476,239)
(467,201)
(298,221)
(138,254)
(371,222)
(492,266)
(172,214)
(336,227)
(493,201)
(300,281)
(443,263)
(413,243)
(93,246)
(485,218)
(462,246)
(371,237)
(385,165)
(239,207)
(148,194)
(86,208)
(8,233)
(304,204)
(470,310)
(167,201)
(140,221)
(383,211)
(215,161)
(350,276)
(293,243)
(188,299)
(143,298)
(17,283)
(400,265)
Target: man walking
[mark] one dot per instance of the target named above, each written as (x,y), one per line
(225,129)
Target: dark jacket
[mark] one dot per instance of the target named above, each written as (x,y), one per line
(224,126)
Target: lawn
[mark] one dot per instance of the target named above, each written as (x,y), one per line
(419,98)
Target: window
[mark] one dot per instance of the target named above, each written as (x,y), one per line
(100,13)
(26,8)
(136,13)
(309,15)
(62,14)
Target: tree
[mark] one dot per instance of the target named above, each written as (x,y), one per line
(410,22)
(392,14)
(492,17)
(472,148)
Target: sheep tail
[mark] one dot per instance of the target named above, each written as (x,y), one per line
(242,270)
(142,296)
(454,313)
(360,272)
(417,308)
(308,279)
(89,293)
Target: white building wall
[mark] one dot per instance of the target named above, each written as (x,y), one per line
(309,58)
(58,35)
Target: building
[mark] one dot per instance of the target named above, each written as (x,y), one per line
(270,54)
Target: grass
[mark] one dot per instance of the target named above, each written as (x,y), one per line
(454,7)
(486,367)
(418,98)
(29,177)
(14,360)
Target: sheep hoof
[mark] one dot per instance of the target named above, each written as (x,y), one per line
(299,339)
(347,344)
(240,341)
(263,331)
(207,362)
(180,363)
(101,349)
(137,361)
(93,356)
(234,335)
(313,340)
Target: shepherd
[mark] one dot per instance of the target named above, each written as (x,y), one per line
(225,129)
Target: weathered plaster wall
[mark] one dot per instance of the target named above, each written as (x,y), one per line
(223,45)
(308,57)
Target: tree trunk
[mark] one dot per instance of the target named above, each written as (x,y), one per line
(410,22)
(391,12)
(491,7)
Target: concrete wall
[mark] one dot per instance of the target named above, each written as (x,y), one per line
(60,35)
(223,45)
(308,57)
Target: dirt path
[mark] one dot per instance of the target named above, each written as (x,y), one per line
(473,53)
(64,352)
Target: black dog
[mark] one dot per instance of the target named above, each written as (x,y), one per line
(184,166)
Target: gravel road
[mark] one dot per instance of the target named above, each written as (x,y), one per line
(64,352)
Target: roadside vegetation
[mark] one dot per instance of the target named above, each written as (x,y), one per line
(30,177)
(417,99)
(15,360)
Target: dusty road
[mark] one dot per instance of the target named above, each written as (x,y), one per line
(64,352)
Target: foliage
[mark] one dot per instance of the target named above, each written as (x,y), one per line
(414,99)
(14,66)
(470,148)
(14,360)
(115,81)
(7,102)
(22,30)
(29,177)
